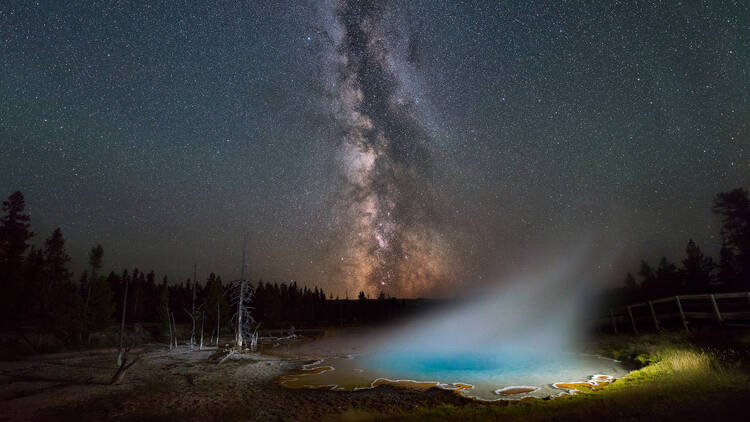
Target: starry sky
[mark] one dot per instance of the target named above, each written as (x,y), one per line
(409,147)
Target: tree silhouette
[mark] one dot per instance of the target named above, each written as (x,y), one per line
(696,269)
(96,255)
(667,277)
(729,271)
(164,324)
(216,304)
(34,281)
(648,279)
(62,306)
(101,305)
(14,240)
(734,209)
(55,272)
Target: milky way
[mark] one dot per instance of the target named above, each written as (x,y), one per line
(424,144)
(392,242)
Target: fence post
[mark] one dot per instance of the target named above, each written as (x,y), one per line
(632,320)
(682,314)
(653,315)
(716,309)
(612,318)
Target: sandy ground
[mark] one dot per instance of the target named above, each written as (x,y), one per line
(187,385)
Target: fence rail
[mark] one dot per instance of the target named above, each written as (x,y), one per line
(721,308)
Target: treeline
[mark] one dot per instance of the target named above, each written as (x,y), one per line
(697,273)
(37,289)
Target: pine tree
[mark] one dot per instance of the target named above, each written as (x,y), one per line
(61,304)
(101,305)
(55,272)
(96,255)
(729,273)
(150,298)
(667,277)
(33,276)
(647,276)
(696,271)
(14,240)
(164,323)
(215,301)
(734,208)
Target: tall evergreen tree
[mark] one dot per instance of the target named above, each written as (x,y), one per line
(56,258)
(729,273)
(648,278)
(216,303)
(96,255)
(14,241)
(101,305)
(149,298)
(164,308)
(62,306)
(33,284)
(734,209)
(55,271)
(667,277)
(696,269)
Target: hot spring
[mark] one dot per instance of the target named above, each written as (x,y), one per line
(480,376)
(518,339)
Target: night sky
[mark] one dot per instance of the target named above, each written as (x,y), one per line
(400,146)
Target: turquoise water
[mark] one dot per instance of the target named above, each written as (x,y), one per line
(451,364)
(485,372)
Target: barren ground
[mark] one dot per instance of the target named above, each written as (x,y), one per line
(185,385)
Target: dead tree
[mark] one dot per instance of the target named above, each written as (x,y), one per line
(122,323)
(169,323)
(218,322)
(174,326)
(124,366)
(193,314)
(203,319)
(242,295)
(254,338)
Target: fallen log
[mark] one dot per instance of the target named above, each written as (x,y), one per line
(120,374)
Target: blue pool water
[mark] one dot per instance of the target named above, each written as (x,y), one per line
(485,372)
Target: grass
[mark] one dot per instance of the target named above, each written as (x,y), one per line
(679,376)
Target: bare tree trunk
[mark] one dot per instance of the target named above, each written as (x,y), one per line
(169,323)
(124,366)
(122,324)
(218,319)
(240,305)
(192,315)
(174,325)
(86,315)
(86,309)
(203,319)
(136,295)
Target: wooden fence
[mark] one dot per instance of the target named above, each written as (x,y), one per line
(683,310)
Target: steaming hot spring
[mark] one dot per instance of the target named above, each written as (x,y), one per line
(520,340)
(498,376)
